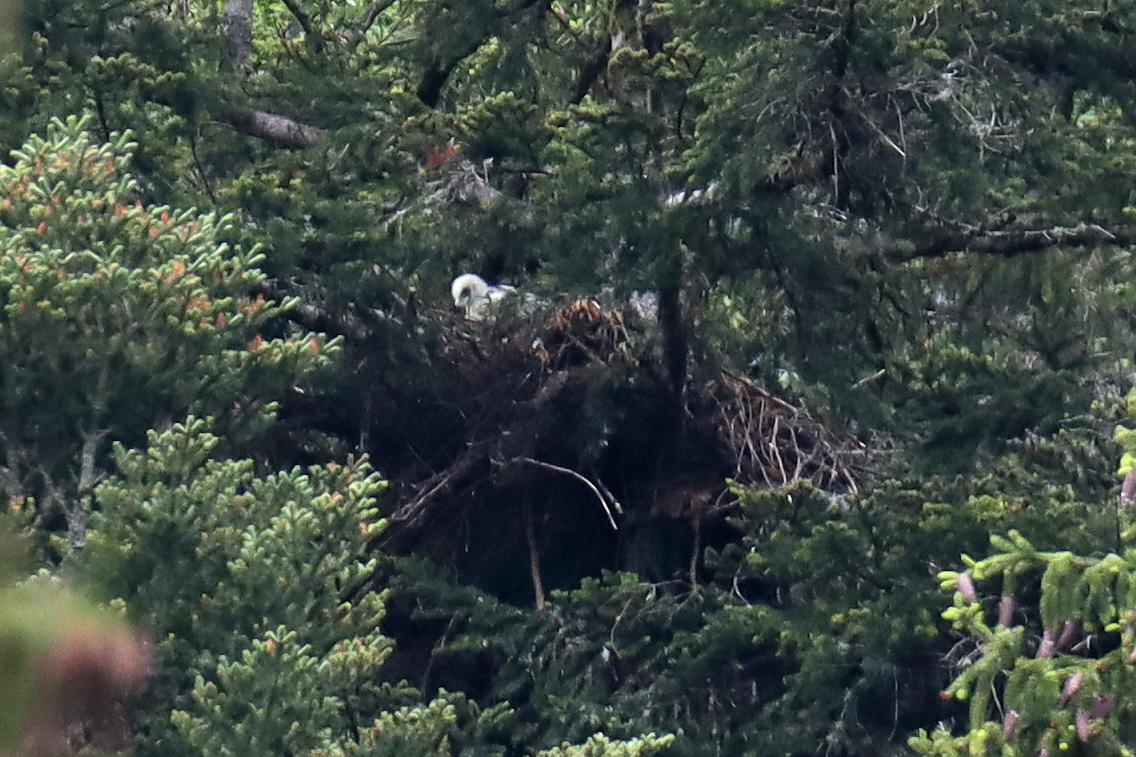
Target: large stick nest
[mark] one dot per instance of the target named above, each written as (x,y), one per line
(776,443)
(510,373)
(537,393)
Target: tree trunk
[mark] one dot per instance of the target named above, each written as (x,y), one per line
(671,321)
(238,35)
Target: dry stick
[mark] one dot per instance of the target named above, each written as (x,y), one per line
(574,474)
(412,512)
(797,449)
(534,556)
(777,452)
(761,457)
(756,459)
(746,436)
(696,522)
(764,393)
(740,441)
(868,379)
(438,645)
(610,497)
(899,117)
(740,431)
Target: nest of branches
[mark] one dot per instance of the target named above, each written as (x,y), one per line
(570,430)
(495,360)
(585,332)
(515,358)
(775,442)
(517,376)
(509,373)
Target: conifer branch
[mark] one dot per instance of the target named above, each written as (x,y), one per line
(313,318)
(301,16)
(283,131)
(1013,242)
(434,78)
(374,10)
(372,15)
(311,36)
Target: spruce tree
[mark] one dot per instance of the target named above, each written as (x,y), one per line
(118,317)
(1051,641)
(261,590)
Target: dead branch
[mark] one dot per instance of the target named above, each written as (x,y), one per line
(1013,242)
(283,131)
(463,186)
(776,443)
(414,512)
(574,474)
(534,556)
(610,497)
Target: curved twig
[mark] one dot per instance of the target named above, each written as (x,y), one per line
(574,474)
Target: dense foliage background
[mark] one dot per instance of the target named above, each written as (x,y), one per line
(831,310)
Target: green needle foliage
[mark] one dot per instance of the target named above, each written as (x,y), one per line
(116,316)
(259,588)
(1052,664)
(916,215)
(601,746)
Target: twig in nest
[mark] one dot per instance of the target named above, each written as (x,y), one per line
(574,474)
(777,442)
(610,497)
(414,512)
(534,556)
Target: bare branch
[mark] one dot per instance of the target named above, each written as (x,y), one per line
(369,19)
(1014,242)
(534,557)
(273,127)
(312,37)
(574,474)
(78,509)
(89,475)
